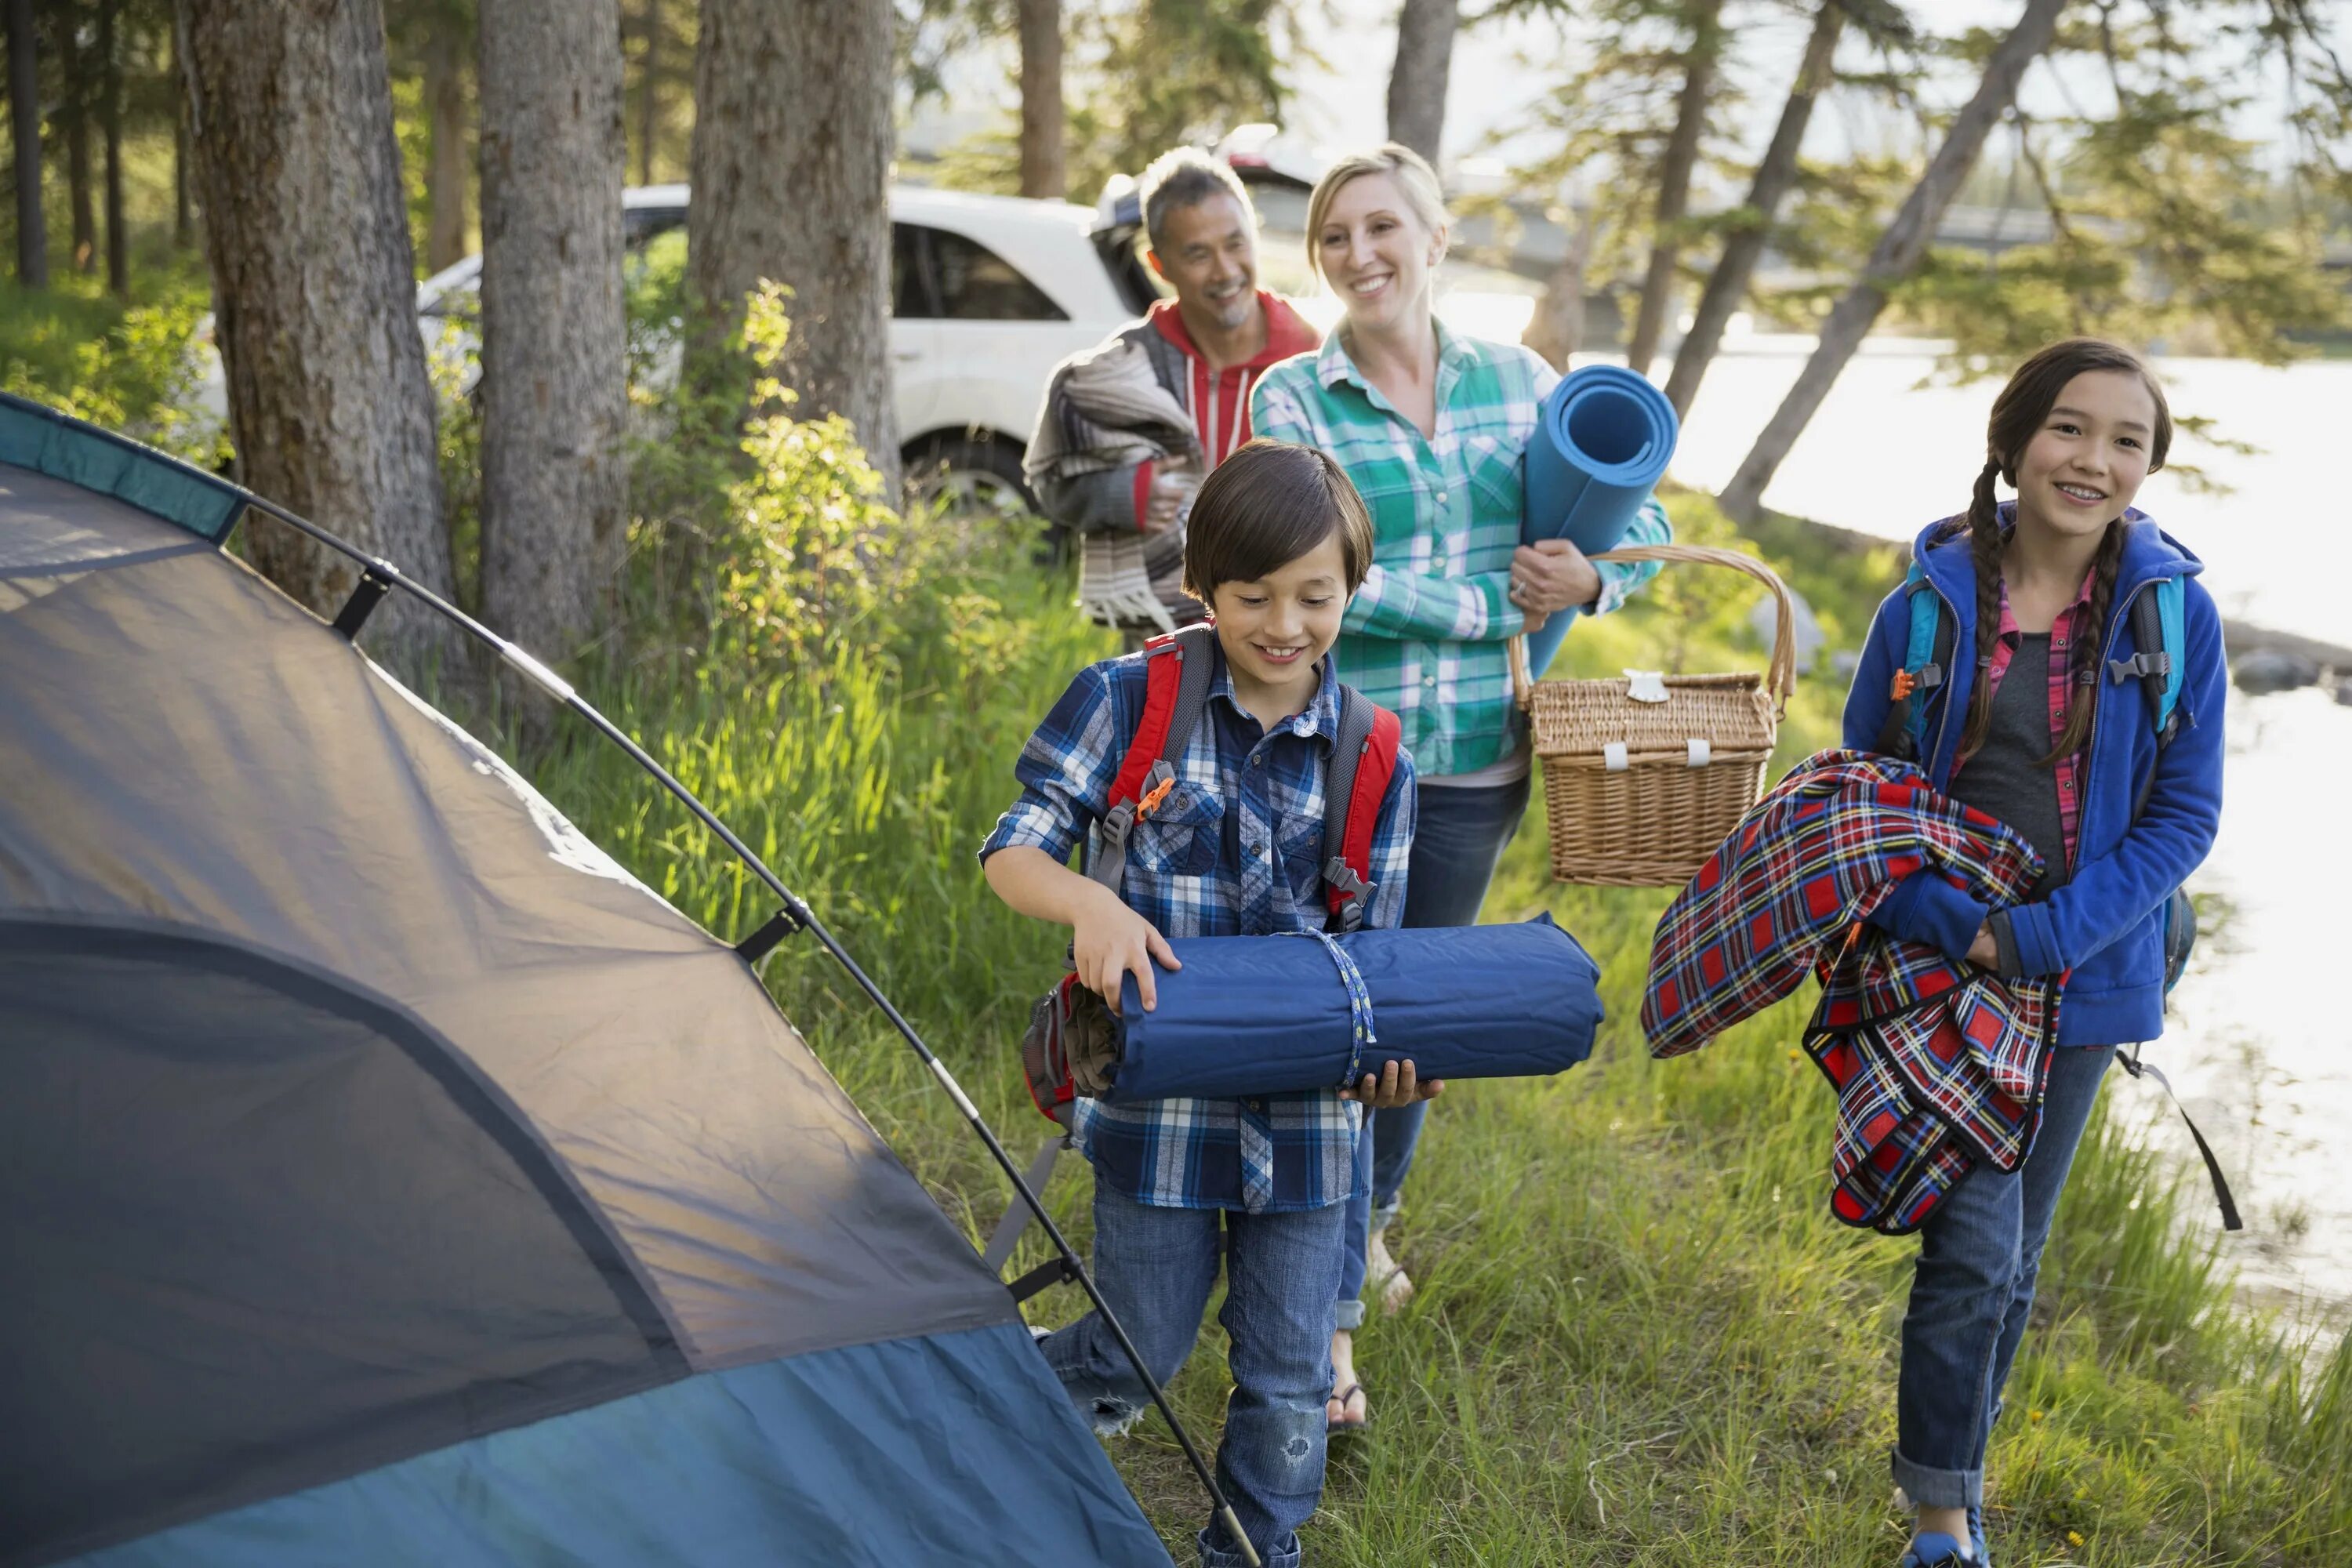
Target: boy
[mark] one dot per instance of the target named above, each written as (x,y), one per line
(1278,541)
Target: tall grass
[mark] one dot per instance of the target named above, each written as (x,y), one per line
(1639,1337)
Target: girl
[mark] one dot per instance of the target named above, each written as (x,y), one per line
(1431,426)
(2036,727)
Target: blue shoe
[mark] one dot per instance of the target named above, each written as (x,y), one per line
(1977,1535)
(1933,1549)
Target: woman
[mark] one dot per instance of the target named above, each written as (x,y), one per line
(1431,426)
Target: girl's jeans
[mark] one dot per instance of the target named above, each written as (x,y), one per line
(1979,1255)
(1458,838)
(1156,1267)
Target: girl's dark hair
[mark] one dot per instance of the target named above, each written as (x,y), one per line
(2017,415)
(1264,507)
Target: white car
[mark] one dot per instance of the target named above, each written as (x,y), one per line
(987,294)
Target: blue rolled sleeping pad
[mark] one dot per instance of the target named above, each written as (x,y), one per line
(1271,1015)
(1601,444)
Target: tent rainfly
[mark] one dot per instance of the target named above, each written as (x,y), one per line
(386,1176)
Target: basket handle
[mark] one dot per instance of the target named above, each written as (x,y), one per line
(1782,676)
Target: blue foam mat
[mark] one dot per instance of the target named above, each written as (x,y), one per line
(1601,444)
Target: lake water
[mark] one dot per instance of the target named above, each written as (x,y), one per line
(2259,1045)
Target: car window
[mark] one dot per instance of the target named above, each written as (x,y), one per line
(910,284)
(975,284)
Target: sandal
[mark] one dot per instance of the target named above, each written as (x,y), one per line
(1344,1426)
(1935,1550)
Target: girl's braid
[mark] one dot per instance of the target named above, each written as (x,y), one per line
(2083,661)
(1985,540)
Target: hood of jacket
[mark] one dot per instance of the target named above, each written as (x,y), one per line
(2149,552)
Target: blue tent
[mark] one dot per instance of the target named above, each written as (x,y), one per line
(386,1176)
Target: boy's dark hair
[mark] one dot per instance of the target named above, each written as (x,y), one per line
(2017,413)
(1185,177)
(1264,507)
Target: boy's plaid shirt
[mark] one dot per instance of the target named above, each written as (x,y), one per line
(1936,1065)
(1426,633)
(1234,850)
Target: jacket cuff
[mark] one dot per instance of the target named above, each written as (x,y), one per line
(2004,946)
(2031,946)
(1925,908)
(1142,494)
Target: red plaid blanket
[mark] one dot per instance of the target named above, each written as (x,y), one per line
(1936,1065)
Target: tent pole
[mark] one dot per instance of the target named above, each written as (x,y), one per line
(803,918)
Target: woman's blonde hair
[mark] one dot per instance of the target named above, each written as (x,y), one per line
(1413,176)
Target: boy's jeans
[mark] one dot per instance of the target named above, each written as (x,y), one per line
(1156,1267)
(1458,837)
(1979,1255)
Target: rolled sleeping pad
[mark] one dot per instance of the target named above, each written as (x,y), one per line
(1270,1015)
(1601,444)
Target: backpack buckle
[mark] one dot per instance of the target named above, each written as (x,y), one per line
(2140,666)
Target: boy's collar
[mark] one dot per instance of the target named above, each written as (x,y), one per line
(1320,717)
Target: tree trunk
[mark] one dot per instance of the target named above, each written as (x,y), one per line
(1041,98)
(315,300)
(1674,184)
(1776,175)
(791,169)
(24,134)
(1556,330)
(73,116)
(444,171)
(183,219)
(554,388)
(649,103)
(110,119)
(1425,64)
(1899,250)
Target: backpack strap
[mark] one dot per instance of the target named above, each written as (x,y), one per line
(2159,662)
(2158,622)
(1182,667)
(1927,664)
(1363,761)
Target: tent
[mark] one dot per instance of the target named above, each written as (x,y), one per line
(388,1177)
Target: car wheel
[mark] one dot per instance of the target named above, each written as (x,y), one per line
(975,479)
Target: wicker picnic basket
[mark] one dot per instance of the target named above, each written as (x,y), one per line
(1644,777)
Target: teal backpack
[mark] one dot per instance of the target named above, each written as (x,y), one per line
(2158,621)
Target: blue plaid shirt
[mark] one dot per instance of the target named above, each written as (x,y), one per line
(1235,849)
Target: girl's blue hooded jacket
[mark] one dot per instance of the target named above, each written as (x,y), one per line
(2106,924)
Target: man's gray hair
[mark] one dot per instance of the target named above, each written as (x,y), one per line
(1185,177)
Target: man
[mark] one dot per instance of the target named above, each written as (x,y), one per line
(1130,428)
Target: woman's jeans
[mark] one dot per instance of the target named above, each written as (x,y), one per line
(1459,837)
(1156,1267)
(1979,1255)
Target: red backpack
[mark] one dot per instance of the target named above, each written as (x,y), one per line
(1183,666)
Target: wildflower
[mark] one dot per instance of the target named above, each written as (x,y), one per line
(2074,1538)
(2034,1416)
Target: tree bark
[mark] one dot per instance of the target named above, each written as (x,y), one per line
(73,117)
(1776,175)
(554,388)
(1041,98)
(1674,184)
(25,135)
(109,121)
(315,300)
(1556,330)
(1898,250)
(1424,68)
(649,102)
(791,170)
(444,171)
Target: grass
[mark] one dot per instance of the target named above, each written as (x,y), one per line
(1639,1339)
